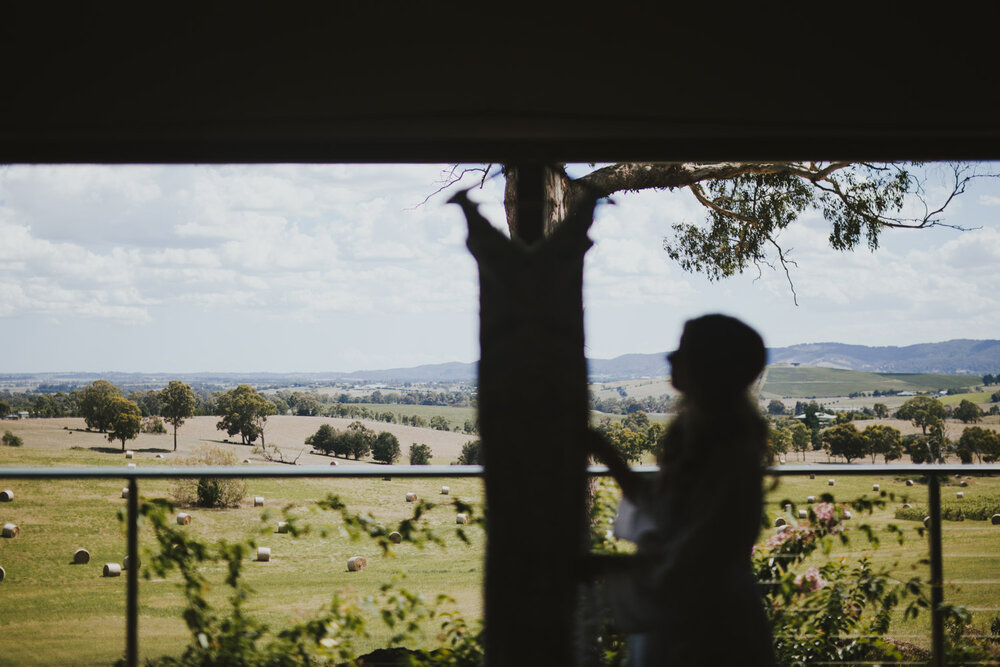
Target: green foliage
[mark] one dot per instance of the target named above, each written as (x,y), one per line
(884,440)
(124,420)
(11,440)
(324,439)
(472,453)
(232,636)
(776,407)
(975,508)
(420,454)
(439,423)
(243,412)
(4,409)
(633,437)
(844,440)
(95,404)
(982,443)
(923,411)
(210,491)
(385,448)
(881,410)
(967,411)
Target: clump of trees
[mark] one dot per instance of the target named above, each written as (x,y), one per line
(978,442)
(846,441)
(633,437)
(243,412)
(472,454)
(356,441)
(210,491)
(11,440)
(96,404)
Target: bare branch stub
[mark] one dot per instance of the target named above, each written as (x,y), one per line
(453,176)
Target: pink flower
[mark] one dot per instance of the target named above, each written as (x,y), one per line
(810,579)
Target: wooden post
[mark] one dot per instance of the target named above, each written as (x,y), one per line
(533,411)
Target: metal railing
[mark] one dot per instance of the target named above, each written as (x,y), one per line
(133,475)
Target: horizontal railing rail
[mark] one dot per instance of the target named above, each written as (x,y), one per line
(133,475)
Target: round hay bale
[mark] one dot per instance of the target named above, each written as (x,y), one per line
(781,460)
(258,501)
(356,563)
(81,557)
(131,465)
(263,554)
(995,519)
(812,476)
(411,497)
(129,454)
(6,496)
(909,482)
(11,530)
(3,573)
(125,563)
(387,478)
(959,494)
(461,518)
(333,463)
(907,506)
(788,507)
(927,522)
(875,487)
(831,482)
(395,537)
(245,460)
(112,570)
(963,483)
(124,492)
(183,519)
(779,522)
(811,499)
(282,526)
(782,529)
(847,515)
(803,514)
(160,456)
(445,490)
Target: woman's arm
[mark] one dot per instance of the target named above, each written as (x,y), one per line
(602,449)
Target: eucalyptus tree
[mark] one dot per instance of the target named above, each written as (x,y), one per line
(177,403)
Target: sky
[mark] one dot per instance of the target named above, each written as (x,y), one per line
(312,268)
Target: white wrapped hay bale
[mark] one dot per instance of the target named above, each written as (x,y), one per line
(803,514)
(907,506)
(847,515)
(927,522)
(875,487)
(995,519)
(3,573)
(129,454)
(909,482)
(160,456)
(263,554)
(779,522)
(445,490)
(831,482)
(183,519)
(963,483)
(782,529)
(411,497)
(11,530)
(112,570)
(356,563)
(959,494)
(81,557)
(811,499)
(124,492)
(6,496)
(258,501)
(781,460)
(461,518)
(395,537)
(282,526)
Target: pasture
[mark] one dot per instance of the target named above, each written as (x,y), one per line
(810,382)
(53,611)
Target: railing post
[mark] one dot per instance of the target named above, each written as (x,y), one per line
(937,573)
(132,595)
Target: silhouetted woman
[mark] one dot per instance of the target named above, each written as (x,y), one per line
(689,597)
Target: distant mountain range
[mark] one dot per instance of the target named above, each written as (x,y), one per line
(953,357)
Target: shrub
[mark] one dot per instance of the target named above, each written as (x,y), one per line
(472,453)
(153,425)
(385,448)
(11,440)
(420,455)
(210,491)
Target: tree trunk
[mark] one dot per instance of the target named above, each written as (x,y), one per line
(532,365)
(175,436)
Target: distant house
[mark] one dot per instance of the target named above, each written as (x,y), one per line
(23,414)
(907,393)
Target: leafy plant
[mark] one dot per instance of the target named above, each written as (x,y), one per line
(210,491)
(11,440)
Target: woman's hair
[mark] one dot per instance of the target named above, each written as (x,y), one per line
(722,357)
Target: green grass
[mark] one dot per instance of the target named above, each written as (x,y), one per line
(975,397)
(806,382)
(53,612)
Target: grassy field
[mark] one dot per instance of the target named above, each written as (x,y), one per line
(975,397)
(53,612)
(806,382)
